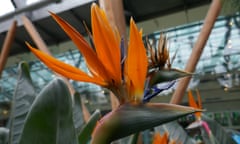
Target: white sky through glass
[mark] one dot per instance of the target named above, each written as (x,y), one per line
(6,6)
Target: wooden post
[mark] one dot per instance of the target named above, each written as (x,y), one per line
(114,101)
(43,47)
(7,45)
(115,14)
(85,112)
(119,19)
(106,5)
(210,19)
(35,35)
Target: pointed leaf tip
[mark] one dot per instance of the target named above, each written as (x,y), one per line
(136,62)
(164,75)
(192,103)
(136,118)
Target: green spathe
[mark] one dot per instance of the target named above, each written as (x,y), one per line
(129,119)
(165,75)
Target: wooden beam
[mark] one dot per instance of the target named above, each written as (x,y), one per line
(7,45)
(209,21)
(115,14)
(119,19)
(86,114)
(35,35)
(106,5)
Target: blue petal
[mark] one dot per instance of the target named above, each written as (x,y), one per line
(123,56)
(152,92)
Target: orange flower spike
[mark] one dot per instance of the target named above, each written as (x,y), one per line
(164,138)
(93,63)
(157,139)
(136,64)
(192,103)
(107,43)
(64,69)
(191,100)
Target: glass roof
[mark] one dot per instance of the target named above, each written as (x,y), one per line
(28,2)
(6,7)
(221,53)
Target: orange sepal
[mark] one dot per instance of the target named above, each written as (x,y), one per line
(93,63)
(136,62)
(192,103)
(157,138)
(64,69)
(164,138)
(107,42)
(199,99)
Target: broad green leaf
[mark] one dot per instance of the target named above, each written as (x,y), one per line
(176,132)
(77,113)
(87,130)
(129,119)
(4,135)
(50,119)
(165,75)
(22,100)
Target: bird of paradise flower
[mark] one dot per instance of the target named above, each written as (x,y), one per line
(105,63)
(124,74)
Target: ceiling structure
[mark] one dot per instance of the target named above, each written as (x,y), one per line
(219,62)
(75,12)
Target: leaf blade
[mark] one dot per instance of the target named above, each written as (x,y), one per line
(77,113)
(87,130)
(24,95)
(50,120)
